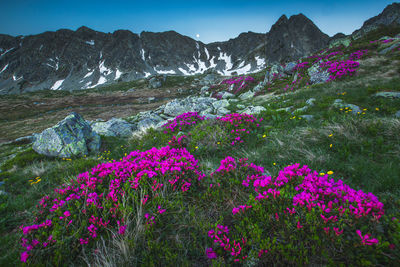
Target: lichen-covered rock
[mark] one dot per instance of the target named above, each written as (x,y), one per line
(307,117)
(339,103)
(289,68)
(114,127)
(310,101)
(226,95)
(253,110)
(247,95)
(317,74)
(188,104)
(149,122)
(220,104)
(72,136)
(222,111)
(155,83)
(387,94)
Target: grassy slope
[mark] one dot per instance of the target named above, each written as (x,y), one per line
(365,152)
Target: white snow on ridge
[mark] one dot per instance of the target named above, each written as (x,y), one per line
(4,69)
(91,42)
(40,48)
(88,74)
(244,70)
(184,71)
(101,80)
(103,69)
(205,50)
(8,50)
(197,46)
(260,61)
(166,72)
(142,54)
(117,74)
(86,85)
(57,85)
(228,62)
(147,74)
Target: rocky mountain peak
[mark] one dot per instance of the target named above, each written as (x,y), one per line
(290,39)
(389,16)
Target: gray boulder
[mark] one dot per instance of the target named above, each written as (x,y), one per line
(307,117)
(148,122)
(289,68)
(188,104)
(276,71)
(204,90)
(390,48)
(222,111)
(25,139)
(339,103)
(387,94)
(72,136)
(220,104)
(114,127)
(259,87)
(253,110)
(310,101)
(300,110)
(209,79)
(247,95)
(155,83)
(317,74)
(226,95)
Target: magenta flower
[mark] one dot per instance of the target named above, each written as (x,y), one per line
(24,256)
(210,253)
(365,240)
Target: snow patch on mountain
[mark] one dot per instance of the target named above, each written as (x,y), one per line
(57,85)
(5,67)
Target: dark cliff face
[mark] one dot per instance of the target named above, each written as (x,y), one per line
(389,16)
(293,38)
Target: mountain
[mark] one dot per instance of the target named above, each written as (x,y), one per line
(72,60)
(292,38)
(389,16)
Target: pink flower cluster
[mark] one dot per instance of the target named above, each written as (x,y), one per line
(333,201)
(177,142)
(301,65)
(239,82)
(240,124)
(232,246)
(182,121)
(338,69)
(358,54)
(105,186)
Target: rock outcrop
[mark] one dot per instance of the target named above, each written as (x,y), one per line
(72,136)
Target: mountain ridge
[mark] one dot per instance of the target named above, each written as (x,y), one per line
(86,58)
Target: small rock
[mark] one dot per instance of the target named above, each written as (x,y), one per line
(131,90)
(300,110)
(289,68)
(241,106)
(227,95)
(310,101)
(114,127)
(150,99)
(233,100)
(259,87)
(307,117)
(247,95)
(387,94)
(154,83)
(253,110)
(285,109)
(397,114)
(222,111)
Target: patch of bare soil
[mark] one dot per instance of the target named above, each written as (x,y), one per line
(21,117)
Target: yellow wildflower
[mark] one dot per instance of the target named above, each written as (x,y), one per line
(330,145)
(330,172)
(322,173)
(330,135)
(274,163)
(264,136)
(376,109)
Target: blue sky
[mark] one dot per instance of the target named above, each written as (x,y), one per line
(212,20)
